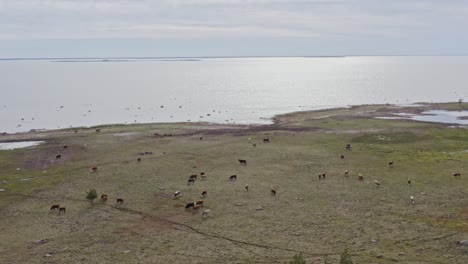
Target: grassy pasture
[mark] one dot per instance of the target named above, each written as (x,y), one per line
(318,218)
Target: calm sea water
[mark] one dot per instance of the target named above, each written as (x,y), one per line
(60,94)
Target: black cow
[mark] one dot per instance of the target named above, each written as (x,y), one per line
(242,162)
(233,177)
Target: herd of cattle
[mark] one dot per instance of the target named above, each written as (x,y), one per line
(195,206)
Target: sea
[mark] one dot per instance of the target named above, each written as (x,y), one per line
(63,93)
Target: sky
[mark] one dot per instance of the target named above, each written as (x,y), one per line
(211,28)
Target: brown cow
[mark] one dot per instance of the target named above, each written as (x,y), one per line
(456,175)
(103,197)
(342,156)
(390,164)
(189,205)
(204,194)
(273,192)
(266,140)
(348,146)
(200,203)
(120,201)
(55,207)
(195,209)
(58,156)
(190,181)
(139,160)
(360,177)
(61,209)
(98,130)
(94,169)
(247,188)
(193,176)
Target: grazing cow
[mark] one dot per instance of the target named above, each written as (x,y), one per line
(242,162)
(390,164)
(193,176)
(176,194)
(377,183)
(200,203)
(103,197)
(246,188)
(98,130)
(342,156)
(412,199)
(94,169)
(65,147)
(254,145)
(201,138)
(203,176)
(273,192)
(189,205)
(120,201)
(202,173)
(409,183)
(348,146)
(346,173)
(324,175)
(58,156)
(320,177)
(266,140)
(61,210)
(139,160)
(456,175)
(204,194)
(233,177)
(190,181)
(54,207)
(205,213)
(360,177)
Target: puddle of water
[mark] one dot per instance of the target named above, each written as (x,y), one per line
(435,116)
(17,145)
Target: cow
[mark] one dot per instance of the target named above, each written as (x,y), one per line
(346,173)
(204,194)
(390,164)
(193,176)
(243,162)
(342,156)
(54,207)
(139,160)
(320,177)
(58,156)
(348,146)
(98,130)
(324,175)
(254,145)
(176,194)
(266,140)
(205,213)
(273,192)
(94,169)
(409,183)
(103,197)
(190,181)
(201,138)
(61,210)
(456,175)
(189,205)
(203,176)
(246,188)
(360,177)
(200,203)
(412,199)
(377,183)
(233,177)
(65,147)
(120,201)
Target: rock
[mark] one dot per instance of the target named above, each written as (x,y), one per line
(48,255)
(41,241)
(374,240)
(259,209)
(463,242)
(126,251)
(401,254)
(423,193)
(2,190)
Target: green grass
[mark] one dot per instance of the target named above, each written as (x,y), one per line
(318,218)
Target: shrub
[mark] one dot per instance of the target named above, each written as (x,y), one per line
(345,258)
(298,259)
(91,195)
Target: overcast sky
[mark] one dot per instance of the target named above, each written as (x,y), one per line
(110,28)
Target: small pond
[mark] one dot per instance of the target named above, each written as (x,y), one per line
(20,144)
(436,116)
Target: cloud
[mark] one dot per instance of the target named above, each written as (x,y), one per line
(321,19)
